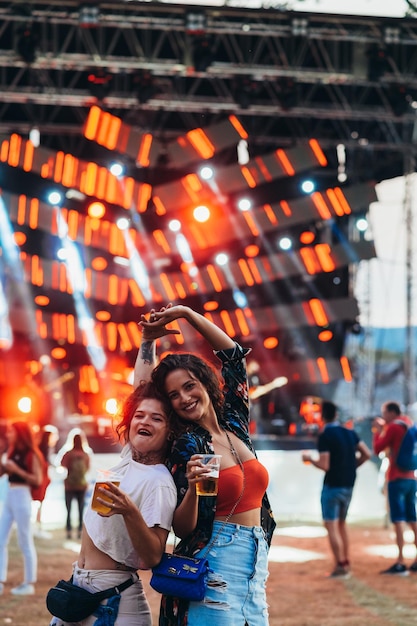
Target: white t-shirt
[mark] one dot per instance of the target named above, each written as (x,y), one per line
(153,490)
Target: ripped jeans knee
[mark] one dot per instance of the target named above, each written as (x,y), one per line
(236,590)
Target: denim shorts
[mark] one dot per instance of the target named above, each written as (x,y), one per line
(335,502)
(236,593)
(402,500)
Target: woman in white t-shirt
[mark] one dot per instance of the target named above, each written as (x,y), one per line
(133,534)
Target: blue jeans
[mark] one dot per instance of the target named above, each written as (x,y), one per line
(236,593)
(402,500)
(18,508)
(335,502)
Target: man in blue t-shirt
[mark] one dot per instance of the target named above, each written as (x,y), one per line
(340,453)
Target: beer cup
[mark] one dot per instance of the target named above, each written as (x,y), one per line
(103,477)
(207,485)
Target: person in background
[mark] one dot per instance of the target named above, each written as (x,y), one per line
(76,461)
(23,464)
(234,528)
(388,432)
(340,453)
(133,534)
(48,437)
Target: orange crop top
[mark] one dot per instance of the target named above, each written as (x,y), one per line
(231,483)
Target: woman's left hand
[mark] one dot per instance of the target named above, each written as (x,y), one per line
(153,327)
(196,470)
(118,502)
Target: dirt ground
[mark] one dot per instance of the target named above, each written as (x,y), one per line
(299,592)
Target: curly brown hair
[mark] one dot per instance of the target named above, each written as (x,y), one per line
(200,368)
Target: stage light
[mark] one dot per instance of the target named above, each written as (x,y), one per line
(122,223)
(35,136)
(58,353)
(99,263)
(222,259)
(362,224)
(195,22)
(244,204)
(206,173)
(252,250)
(61,254)
(96,210)
(308,186)
(174,226)
(88,14)
(285,243)
(41,300)
(242,152)
(307,237)
(201,213)
(392,34)
(55,197)
(24,404)
(117,169)
(121,260)
(240,299)
(299,27)
(111,406)
(270,343)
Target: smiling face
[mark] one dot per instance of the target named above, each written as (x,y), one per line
(149,430)
(188,396)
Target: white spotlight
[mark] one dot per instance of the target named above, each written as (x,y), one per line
(244,204)
(174,226)
(35,136)
(201,213)
(308,186)
(117,169)
(285,243)
(206,172)
(222,259)
(54,197)
(242,152)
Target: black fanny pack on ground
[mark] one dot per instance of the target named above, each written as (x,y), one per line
(73,604)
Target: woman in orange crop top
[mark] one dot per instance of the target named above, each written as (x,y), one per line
(234,528)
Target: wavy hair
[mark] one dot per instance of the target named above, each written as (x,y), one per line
(200,368)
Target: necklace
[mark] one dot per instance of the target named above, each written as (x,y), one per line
(229,446)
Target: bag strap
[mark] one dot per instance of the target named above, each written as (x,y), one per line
(113,591)
(237,457)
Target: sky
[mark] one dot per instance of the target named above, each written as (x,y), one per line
(381,285)
(387,8)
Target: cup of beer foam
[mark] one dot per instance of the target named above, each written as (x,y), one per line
(103,478)
(208,484)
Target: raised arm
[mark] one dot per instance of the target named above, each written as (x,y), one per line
(154,327)
(146,358)
(216,337)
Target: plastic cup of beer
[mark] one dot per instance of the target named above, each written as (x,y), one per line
(103,477)
(208,484)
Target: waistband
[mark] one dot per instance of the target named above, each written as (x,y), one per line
(230,528)
(100,572)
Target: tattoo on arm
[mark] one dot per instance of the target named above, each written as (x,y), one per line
(147,352)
